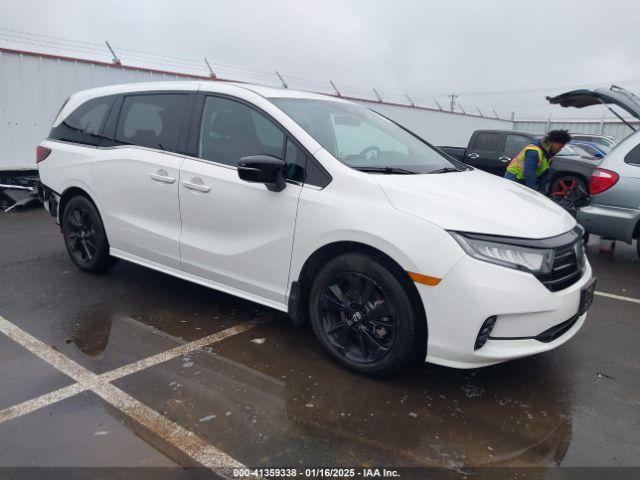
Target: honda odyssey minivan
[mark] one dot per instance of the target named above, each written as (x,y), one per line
(321,208)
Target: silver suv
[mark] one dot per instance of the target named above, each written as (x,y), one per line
(614,212)
(615,194)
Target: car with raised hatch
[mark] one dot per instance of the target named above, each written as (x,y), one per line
(321,208)
(614,209)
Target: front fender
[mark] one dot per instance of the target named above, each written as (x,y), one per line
(413,243)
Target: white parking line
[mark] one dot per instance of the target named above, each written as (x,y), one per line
(618,297)
(175,352)
(180,438)
(42,401)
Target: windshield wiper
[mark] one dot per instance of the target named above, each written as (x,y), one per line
(387,170)
(446,170)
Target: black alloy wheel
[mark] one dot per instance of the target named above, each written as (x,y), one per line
(357,317)
(364,313)
(81,235)
(84,236)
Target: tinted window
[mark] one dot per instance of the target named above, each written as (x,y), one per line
(487,141)
(231,130)
(316,175)
(633,157)
(515,143)
(84,124)
(296,162)
(152,120)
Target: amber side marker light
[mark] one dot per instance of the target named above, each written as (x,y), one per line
(424,279)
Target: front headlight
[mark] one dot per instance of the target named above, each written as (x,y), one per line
(534,260)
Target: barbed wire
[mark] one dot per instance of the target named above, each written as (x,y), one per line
(192,66)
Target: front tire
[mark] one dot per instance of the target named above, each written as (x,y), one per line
(363,315)
(84,236)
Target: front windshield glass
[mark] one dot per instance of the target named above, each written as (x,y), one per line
(602,141)
(567,151)
(363,139)
(578,150)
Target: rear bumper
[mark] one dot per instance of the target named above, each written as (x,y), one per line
(524,309)
(610,222)
(50,200)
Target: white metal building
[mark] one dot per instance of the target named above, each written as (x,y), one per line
(33,87)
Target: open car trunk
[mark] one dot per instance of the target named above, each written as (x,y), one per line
(600,96)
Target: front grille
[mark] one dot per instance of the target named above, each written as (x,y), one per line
(568,265)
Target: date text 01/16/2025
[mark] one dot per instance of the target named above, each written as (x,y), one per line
(316,473)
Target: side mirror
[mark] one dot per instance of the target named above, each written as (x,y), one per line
(263,169)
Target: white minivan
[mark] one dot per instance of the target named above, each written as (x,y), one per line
(321,208)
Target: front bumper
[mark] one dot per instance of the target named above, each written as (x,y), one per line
(473,291)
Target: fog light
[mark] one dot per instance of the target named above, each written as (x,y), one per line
(485,331)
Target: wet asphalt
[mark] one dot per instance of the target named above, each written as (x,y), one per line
(270,396)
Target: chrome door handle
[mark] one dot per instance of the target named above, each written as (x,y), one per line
(162,176)
(473,155)
(504,159)
(199,187)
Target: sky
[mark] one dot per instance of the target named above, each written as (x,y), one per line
(494,54)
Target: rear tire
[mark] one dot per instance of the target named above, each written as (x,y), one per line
(363,315)
(84,236)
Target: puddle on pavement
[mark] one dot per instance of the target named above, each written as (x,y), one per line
(110,334)
(283,402)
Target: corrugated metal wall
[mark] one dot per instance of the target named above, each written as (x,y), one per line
(618,130)
(32,90)
(34,86)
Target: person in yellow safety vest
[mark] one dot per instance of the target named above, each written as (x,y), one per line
(531,166)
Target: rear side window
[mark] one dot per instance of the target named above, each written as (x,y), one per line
(84,124)
(231,130)
(487,141)
(633,157)
(152,120)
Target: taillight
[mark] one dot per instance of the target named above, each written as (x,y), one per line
(42,153)
(601,180)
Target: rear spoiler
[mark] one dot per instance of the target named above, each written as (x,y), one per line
(601,96)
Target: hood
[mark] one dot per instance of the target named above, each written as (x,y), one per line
(478,202)
(586,98)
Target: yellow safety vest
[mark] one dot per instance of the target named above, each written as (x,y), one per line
(516,166)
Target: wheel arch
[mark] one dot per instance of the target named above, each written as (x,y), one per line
(299,295)
(75,191)
(570,173)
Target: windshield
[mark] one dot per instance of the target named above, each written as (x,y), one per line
(363,139)
(578,150)
(567,151)
(601,141)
